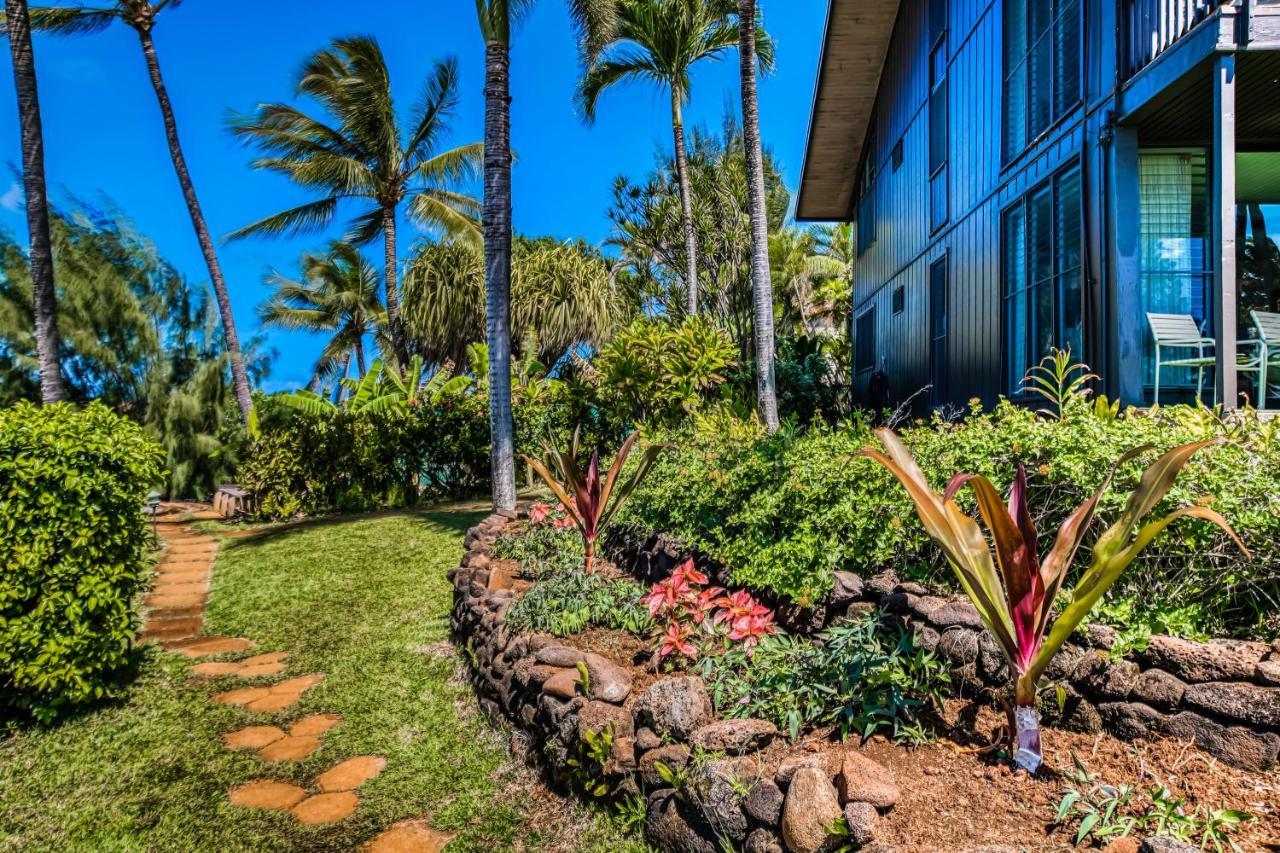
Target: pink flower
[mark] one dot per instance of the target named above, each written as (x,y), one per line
(690,574)
(538,514)
(677,640)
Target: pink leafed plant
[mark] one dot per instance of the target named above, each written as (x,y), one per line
(694,612)
(538,514)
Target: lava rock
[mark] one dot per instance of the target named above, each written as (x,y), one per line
(762,840)
(1159,688)
(563,685)
(561,656)
(809,809)
(846,587)
(1237,745)
(883,584)
(1238,700)
(862,780)
(863,821)
(675,756)
(959,645)
(763,802)
(646,740)
(1129,720)
(673,707)
(597,717)
(668,828)
(957,613)
(1113,680)
(1216,660)
(713,791)
(787,768)
(734,737)
(1268,672)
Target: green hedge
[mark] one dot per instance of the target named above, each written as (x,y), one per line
(784,512)
(73,547)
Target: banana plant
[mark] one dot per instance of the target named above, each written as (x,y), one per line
(1016,599)
(589,500)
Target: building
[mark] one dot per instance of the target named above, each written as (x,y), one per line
(1033,173)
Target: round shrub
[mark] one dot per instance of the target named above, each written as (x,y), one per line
(73,551)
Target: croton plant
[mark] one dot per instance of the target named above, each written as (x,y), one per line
(1014,592)
(587,498)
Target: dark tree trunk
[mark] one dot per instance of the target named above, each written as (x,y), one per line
(686,206)
(360,355)
(45,297)
(239,378)
(497,259)
(395,327)
(761,282)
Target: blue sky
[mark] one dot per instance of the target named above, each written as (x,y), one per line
(103,132)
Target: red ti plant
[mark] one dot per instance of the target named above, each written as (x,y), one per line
(1016,601)
(586,498)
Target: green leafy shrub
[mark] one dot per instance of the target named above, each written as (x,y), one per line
(572,602)
(542,550)
(862,676)
(784,512)
(73,544)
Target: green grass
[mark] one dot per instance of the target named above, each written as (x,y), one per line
(366,602)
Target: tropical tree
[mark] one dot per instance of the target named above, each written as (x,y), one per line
(336,296)
(497,18)
(761,282)
(660,41)
(140,15)
(360,154)
(18,26)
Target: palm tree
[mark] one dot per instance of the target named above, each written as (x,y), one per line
(338,296)
(761,283)
(660,41)
(141,16)
(18,26)
(363,155)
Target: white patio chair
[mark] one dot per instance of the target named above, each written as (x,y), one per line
(1268,325)
(1179,331)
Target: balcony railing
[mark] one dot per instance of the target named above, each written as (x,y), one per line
(1152,26)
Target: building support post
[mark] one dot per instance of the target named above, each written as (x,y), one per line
(1127,323)
(1223,208)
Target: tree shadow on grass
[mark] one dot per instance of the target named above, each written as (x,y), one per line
(118,685)
(456,517)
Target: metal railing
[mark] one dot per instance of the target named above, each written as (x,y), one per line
(1152,26)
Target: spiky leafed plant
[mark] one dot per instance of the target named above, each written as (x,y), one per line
(589,500)
(360,153)
(44,301)
(1014,593)
(73,19)
(338,296)
(660,41)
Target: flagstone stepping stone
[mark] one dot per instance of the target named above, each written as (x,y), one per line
(241,695)
(326,808)
(259,670)
(351,774)
(207,646)
(289,748)
(252,737)
(266,657)
(215,669)
(315,725)
(273,702)
(411,836)
(267,794)
(183,600)
(298,684)
(193,576)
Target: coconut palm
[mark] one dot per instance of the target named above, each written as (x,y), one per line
(18,25)
(361,154)
(660,41)
(72,19)
(497,18)
(337,296)
(761,283)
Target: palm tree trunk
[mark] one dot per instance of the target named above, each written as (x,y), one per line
(338,390)
(761,282)
(394,327)
(45,297)
(497,258)
(360,355)
(239,378)
(686,205)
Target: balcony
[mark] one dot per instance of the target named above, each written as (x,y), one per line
(1152,27)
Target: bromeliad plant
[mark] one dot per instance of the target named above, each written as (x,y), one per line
(586,498)
(1016,600)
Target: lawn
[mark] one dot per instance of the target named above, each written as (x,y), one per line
(362,600)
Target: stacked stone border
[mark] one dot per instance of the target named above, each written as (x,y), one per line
(1223,694)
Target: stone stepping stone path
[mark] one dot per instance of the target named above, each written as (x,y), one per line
(174,619)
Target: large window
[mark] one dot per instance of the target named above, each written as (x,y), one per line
(938,119)
(1042,59)
(864,341)
(1042,274)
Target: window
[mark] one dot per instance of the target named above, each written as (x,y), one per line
(938,364)
(938,119)
(867,197)
(1042,274)
(864,341)
(1042,58)
(897,155)
(899,299)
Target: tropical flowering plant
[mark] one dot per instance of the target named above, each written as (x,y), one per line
(538,514)
(697,615)
(587,499)
(1014,592)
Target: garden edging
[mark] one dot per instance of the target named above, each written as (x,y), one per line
(1224,694)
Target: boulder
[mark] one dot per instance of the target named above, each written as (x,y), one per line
(561,656)
(787,769)
(1113,680)
(956,614)
(846,588)
(925,605)
(863,821)
(734,737)
(1159,688)
(675,756)
(992,665)
(809,810)
(1268,672)
(862,780)
(1128,720)
(713,791)
(883,584)
(668,827)
(1239,746)
(959,645)
(646,739)
(1238,700)
(763,802)
(609,681)
(673,707)
(1101,636)
(563,685)
(1217,660)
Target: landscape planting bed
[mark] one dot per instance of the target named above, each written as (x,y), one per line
(710,784)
